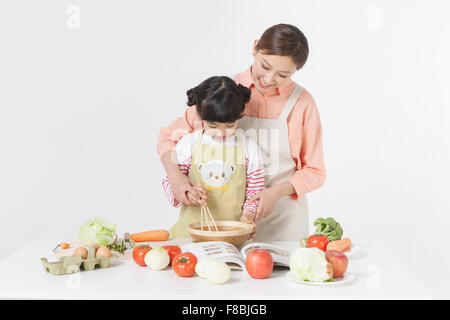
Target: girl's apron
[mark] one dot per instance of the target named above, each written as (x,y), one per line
(221,169)
(290,218)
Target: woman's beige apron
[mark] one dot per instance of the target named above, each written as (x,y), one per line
(290,218)
(222,172)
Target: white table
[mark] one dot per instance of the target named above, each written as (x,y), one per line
(379,275)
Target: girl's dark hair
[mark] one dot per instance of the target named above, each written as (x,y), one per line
(285,40)
(219,99)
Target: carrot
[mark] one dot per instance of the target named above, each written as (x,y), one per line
(152,235)
(340,245)
(64,245)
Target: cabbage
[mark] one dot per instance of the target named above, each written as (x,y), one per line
(97,231)
(309,264)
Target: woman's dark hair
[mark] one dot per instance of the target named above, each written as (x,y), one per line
(219,99)
(285,40)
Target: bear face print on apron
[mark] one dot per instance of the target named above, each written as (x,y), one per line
(222,172)
(290,218)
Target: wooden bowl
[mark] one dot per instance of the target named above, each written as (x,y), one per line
(234,232)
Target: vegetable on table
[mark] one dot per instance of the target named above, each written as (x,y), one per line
(304,242)
(318,241)
(97,232)
(340,245)
(64,245)
(139,253)
(152,235)
(119,245)
(173,251)
(328,227)
(157,259)
(184,264)
(214,270)
(310,264)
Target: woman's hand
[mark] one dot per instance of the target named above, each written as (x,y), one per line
(249,217)
(268,198)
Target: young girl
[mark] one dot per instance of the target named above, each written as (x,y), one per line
(218,158)
(284,110)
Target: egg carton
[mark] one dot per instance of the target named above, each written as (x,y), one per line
(73,264)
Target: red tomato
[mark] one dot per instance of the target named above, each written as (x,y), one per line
(172,251)
(184,264)
(259,264)
(319,241)
(139,254)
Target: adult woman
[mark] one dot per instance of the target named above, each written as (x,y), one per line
(285,111)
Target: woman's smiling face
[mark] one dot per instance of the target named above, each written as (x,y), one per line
(271,71)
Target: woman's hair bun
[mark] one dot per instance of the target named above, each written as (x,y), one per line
(246,93)
(192,97)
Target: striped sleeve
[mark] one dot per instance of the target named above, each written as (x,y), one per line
(255,174)
(184,168)
(184,157)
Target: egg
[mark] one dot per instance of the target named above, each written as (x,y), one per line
(103,252)
(81,251)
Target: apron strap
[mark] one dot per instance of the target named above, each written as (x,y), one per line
(290,103)
(240,156)
(197,150)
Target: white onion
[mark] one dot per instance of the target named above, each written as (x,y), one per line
(157,259)
(214,270)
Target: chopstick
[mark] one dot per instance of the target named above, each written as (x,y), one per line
(204,212)
(215,225)
(201,218)
(206,218)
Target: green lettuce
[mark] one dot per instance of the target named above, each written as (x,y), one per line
(97,231)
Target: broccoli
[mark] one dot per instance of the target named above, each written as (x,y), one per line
(329,227)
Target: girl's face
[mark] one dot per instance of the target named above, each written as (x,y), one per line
(219,130)
(271,71)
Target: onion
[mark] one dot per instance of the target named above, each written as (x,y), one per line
(214,270)
(157,259)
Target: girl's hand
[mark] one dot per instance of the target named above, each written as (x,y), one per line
(181,186)
(268,198)
(197,201)
(202,199)
(249,217)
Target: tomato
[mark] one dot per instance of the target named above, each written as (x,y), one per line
(172,251)
(318,241)
(259,264)
(139,254)
(184,264)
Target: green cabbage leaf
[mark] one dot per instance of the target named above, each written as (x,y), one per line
(97,231)
(309,264)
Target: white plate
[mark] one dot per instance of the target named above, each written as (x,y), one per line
(354,250)
(348,277)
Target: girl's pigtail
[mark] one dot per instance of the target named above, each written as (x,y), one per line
(192,97)
(245,92)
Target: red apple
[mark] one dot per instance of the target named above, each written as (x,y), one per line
(259,264)
(339,261)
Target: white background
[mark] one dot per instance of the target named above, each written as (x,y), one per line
(81,106)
